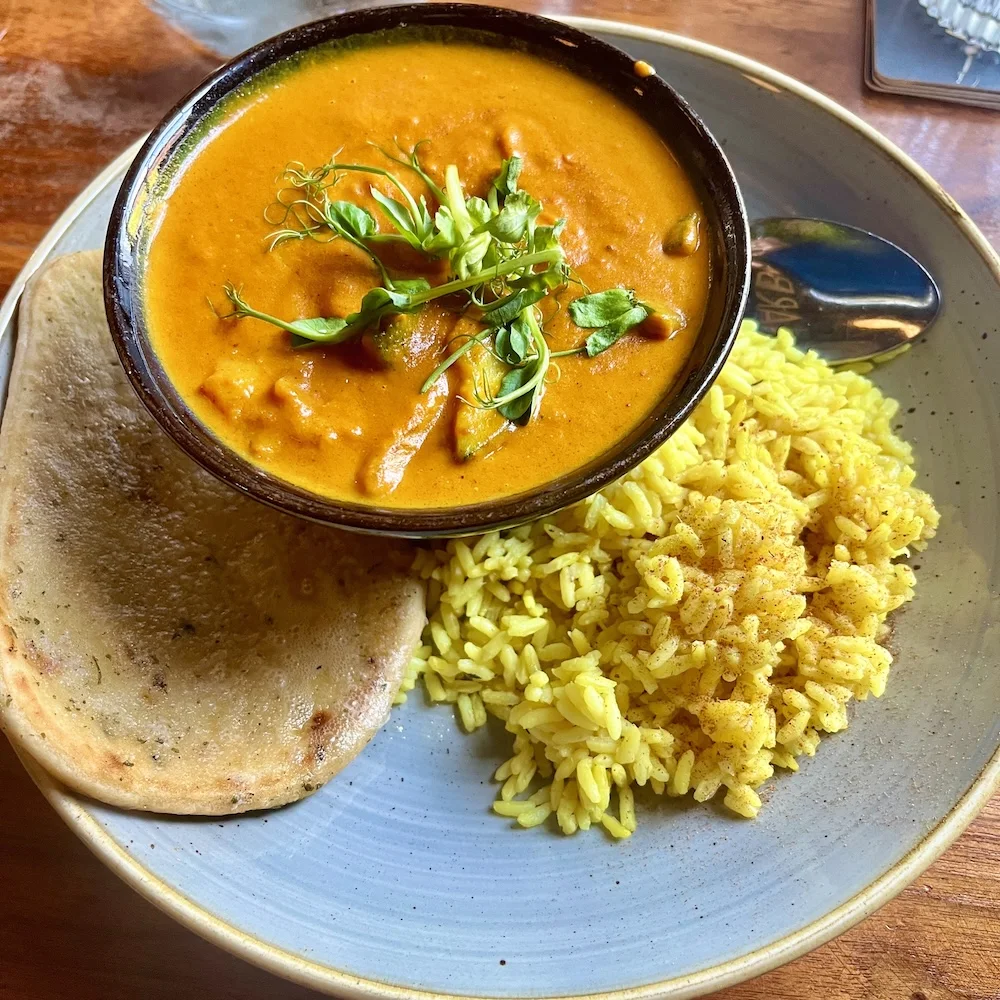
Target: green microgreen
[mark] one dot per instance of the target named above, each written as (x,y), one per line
(611,314)
(503,266)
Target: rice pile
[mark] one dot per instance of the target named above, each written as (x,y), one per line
(700,622)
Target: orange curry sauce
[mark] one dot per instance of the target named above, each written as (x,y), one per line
(325,417)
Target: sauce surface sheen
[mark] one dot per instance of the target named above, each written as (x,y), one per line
(321,417)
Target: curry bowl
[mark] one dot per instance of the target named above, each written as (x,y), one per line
(177,140)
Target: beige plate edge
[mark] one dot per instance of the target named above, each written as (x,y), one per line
(332,981)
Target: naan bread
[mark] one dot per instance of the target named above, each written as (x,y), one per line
(169,644)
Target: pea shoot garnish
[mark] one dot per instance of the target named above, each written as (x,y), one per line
(502,265)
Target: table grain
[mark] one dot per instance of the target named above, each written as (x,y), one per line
(79,81)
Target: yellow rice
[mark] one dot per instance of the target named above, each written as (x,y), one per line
(702,621)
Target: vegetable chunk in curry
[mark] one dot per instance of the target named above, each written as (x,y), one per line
(425,274)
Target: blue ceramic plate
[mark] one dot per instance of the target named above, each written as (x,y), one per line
(396,881)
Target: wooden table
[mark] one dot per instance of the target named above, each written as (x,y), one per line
(79,80)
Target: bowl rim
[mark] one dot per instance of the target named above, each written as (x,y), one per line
(73,809)
(719,187)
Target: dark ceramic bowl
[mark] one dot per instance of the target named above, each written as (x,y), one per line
(598,61)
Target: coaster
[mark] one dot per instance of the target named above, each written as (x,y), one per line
(908,52)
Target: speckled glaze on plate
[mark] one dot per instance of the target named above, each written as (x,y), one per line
(394,881)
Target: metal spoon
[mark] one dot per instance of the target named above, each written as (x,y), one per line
(844,292)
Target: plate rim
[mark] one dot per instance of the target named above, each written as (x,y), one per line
(295,968)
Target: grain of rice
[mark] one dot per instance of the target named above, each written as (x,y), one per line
(614,827)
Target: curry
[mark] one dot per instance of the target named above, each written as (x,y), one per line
(425,274)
